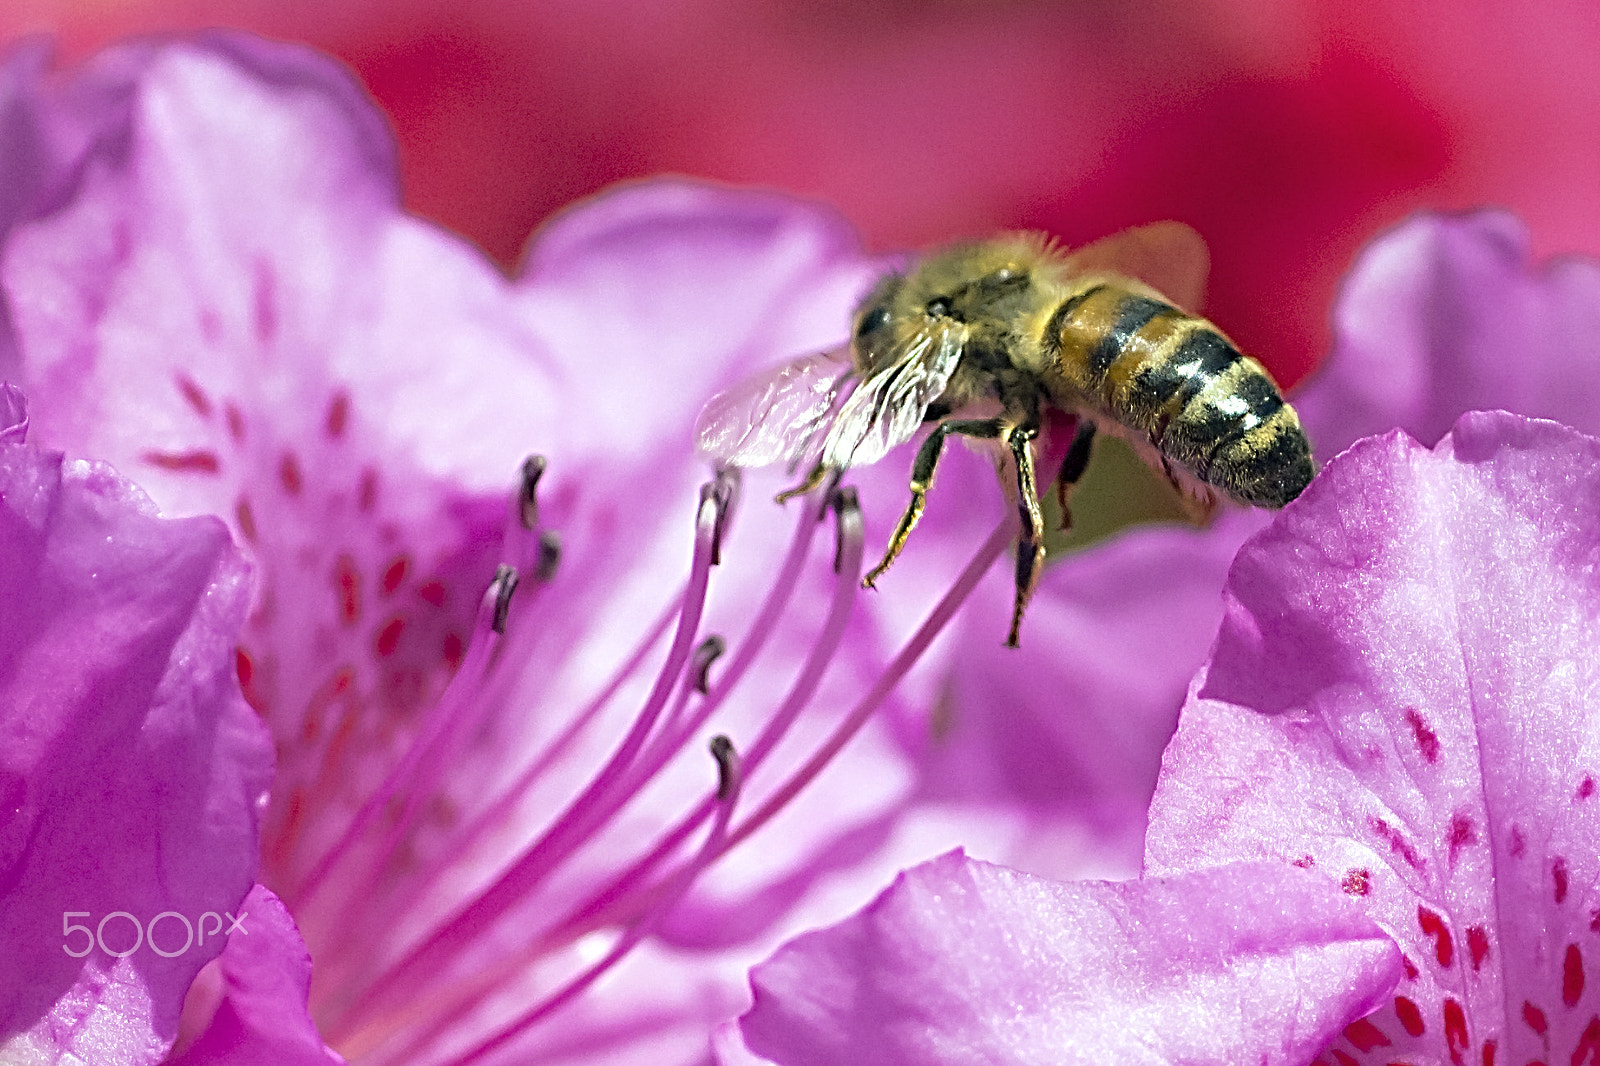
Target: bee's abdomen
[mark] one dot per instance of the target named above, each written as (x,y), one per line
(1175,377)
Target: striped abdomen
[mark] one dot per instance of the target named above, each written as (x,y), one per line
(1203,403)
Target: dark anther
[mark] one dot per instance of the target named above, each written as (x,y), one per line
(844,502)
(527,496)
(727,766)
(504,584)
(938,307)
(872,321)
(724,490)
(549,556)
(709,651)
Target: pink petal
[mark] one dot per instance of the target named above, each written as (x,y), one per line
(131,769)
(1446,314)
(1402,696)
(963,962)
(1069,727)
(262,1019)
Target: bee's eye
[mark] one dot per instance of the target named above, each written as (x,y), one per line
(872,321)
(938,307)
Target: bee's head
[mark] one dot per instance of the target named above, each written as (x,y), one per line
(872,341)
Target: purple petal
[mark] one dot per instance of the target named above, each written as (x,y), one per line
(131,769)
(266,974)
(1070,726)
(964,962)
(655,295)
(1403,696)
(1446,314)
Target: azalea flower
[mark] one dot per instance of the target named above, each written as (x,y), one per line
(491,785)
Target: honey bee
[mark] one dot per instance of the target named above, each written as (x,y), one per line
(982,339)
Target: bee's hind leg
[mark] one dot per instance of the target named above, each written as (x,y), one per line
(922,476)
(1030,543)
(1073,464)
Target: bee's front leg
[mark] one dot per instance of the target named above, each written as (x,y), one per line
(1030,543)
(922,476)
(813,479)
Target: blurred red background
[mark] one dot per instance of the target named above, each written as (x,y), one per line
(1287,131)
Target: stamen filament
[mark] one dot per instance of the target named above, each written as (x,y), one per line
(571,827)
(730,779)
(604,906)
(458,694)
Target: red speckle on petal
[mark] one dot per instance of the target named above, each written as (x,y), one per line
(1588,1045)
(1455,1030)
(1586,787)
(389,636)
(395,573)
(454,650)
(195,462)
(1518,844)
(1444,948)
(194,395)
(1396,842)
(246,519)
(1410,1017)
(1489,1047)
(1344,1060)
(1357,882)
(289,474)
(1462,833)
(1534,1017)
(367,491)
(245,667)
(235,421)
(1305,862)
(1364,1035)
(347,581)
(1594,920)
(1412,973)
(432,592)
(338,415)
(1427,740)
(1558,874)
(1572,976)
(1477,944)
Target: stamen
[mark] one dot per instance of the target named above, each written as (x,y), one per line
(725,490)
(573,825)
(502,588)
(447,712)
(604,906)
(421,885)
(527,496)
(549,557)
(710,650)
(730,780)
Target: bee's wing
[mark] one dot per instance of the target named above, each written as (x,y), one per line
(776,415)
(886,409)
(1170,257)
